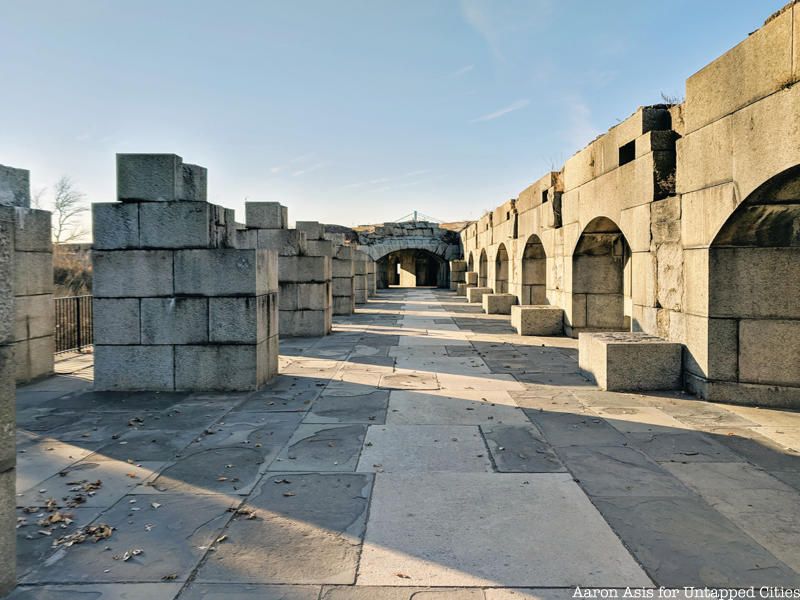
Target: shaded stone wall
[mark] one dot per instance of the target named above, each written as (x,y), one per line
(177,305)
(681,222)
(34,322)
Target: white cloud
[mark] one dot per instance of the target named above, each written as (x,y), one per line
(519,104)
(462,71)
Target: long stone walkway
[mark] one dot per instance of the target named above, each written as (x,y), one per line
(423,450)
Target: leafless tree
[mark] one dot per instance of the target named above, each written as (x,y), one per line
(68,205)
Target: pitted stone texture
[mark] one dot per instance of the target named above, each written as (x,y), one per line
(149,177)
(15,187)
(307,530)
(266,215)
(498,304)
(544,532)
(621,361)
(531,319)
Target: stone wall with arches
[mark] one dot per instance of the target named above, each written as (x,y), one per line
(681,221)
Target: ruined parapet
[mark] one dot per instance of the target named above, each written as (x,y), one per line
(458,273)
(34,321)
(7,418)
(177,306)
(360,260)
(343,281)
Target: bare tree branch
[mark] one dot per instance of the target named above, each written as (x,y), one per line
(68,204)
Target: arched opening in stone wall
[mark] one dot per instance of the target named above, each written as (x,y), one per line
(471,263)
(534,272)
(483,270)
(601,279)
(501,271)
(754,290)
(412,268)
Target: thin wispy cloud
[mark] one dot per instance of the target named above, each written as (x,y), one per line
(514,106)
(310,169)
(291,164)
(462,71)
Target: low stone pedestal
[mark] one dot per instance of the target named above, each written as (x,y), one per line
(461,289)
(537,319)
(475,294)
(630,361)
(498,304)
(471,278)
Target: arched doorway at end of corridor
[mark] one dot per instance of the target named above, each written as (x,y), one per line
(413,268)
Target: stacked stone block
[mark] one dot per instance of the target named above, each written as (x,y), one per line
(458,273)
(34,322)
(360,261)
(343,281)
(306,285)
(7,418)
(372,279)
(177,306)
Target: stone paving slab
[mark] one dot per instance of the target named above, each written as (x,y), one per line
(423,448)
(44,458)
(100,591)
(308,530)
(520,449)
(682,446)
(393,593)
(435,529)
(365,408)
(322,448)
(457,407)
(247,591)
(567,429)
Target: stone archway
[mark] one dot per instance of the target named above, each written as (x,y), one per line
(754,292)
(601,279)
(471,263)
(483,270)
(413,268)
(501,270)
(534,272)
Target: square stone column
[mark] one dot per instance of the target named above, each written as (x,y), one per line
(176,305)
(343,281)
(34,321)
(7,418)
(360,260)
(458,273)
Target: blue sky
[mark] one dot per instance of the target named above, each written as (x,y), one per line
(346,111)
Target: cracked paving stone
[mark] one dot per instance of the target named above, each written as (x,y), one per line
(307,531)
(368,408)
(120,401)
(409,381)
(214,471)
(99,427)
(566,429)
(757,449)
(325,448)
(249,591)
(682,541)
(618,471)
(284,401)
(148,445)
(463,407)
(173,538)
(682,447)
(101,591)
(266,431)
(520,449)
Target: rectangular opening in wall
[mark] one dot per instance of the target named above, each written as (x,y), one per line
(627,153)
(544,196)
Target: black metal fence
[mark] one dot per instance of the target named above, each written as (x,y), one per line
(73,323)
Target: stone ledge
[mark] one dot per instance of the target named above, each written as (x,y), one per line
(535,319)
(475,294)
(630,361)
(498,304)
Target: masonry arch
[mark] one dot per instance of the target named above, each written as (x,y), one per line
(534,272)
(754,290)
(471,263)
(412,267)
(601,279)
(501,270)
(483,270)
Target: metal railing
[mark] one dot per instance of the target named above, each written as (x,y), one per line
(73,323)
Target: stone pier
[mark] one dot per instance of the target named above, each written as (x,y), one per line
(458,273)
(360,260)
(34,322)
(7,388)
(343,280)
(177,306)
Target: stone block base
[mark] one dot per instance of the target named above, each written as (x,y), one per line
(471,278)
(748,394)
(343,305)
(8,531)
(498,304)
(461,289)
(630,361)
(305,323)
(475,294)
(534,319)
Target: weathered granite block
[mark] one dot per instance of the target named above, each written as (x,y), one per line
(305,296)
(15,187)
(304,269)
(116,321)
(228,367)
(630,361)
(305,323)
(342,268)
(476,294)
(314,230)
(8,531)
(115,225)
(344,305)
(132,273)
(176,224)
(34,358)
(149,177)
(471,278)
(7,404)
(194,183)
(131,368)
(174,320)
(461,289)
(286,242)
(32,230)
(244,320)
(498,304)
(534,319)
(266,215)
(225,272)
(319,248)
(6,276)
(33,273)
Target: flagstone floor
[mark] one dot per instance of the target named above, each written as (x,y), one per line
(423,450)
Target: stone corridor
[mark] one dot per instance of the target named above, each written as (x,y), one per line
(423,450)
